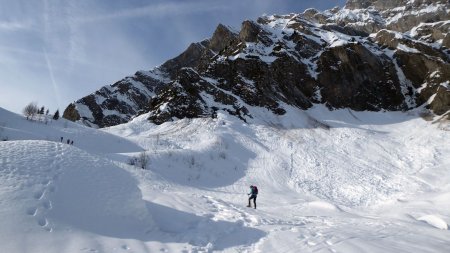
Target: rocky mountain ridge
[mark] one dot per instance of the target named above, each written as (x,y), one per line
(369,55)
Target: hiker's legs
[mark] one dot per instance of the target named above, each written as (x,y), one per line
(254,200)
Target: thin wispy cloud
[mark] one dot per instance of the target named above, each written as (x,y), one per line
(89,44)
(158,10)
(52,78)
(13,26)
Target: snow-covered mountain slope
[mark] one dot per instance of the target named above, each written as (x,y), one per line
(16,127)
(370,55)
(329,181)
(326,155)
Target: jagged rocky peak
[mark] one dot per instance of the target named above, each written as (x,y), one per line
(370,55)
(249,31)
(191,57)
(222,38)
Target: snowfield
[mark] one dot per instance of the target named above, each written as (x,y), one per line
(329,181)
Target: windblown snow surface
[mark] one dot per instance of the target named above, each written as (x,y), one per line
(329,181)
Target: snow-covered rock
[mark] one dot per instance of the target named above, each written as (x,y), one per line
(370,55)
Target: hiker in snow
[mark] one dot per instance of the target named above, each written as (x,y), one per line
(253,193)
(68,141)
(71,142)
(62,139)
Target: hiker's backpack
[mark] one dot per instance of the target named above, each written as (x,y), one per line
(255,190)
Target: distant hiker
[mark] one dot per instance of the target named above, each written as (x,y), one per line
(62,139)
(253,193)
(68,141)
(71,142)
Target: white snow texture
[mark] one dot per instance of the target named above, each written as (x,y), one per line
(329,181)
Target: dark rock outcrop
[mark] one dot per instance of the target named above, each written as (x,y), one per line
(189,58)
(441,102)
(249,31)
(222,38)
(71,113)
(352,76)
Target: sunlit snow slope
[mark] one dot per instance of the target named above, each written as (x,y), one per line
(339,181)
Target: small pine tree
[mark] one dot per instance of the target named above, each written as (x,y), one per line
(42,110)
(46,112)
(56,115)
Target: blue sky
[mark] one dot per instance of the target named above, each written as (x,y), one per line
(56,51)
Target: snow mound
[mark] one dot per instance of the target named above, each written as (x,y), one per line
(434,221)
(54,187)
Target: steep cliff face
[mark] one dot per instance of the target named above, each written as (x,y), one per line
(370,55)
